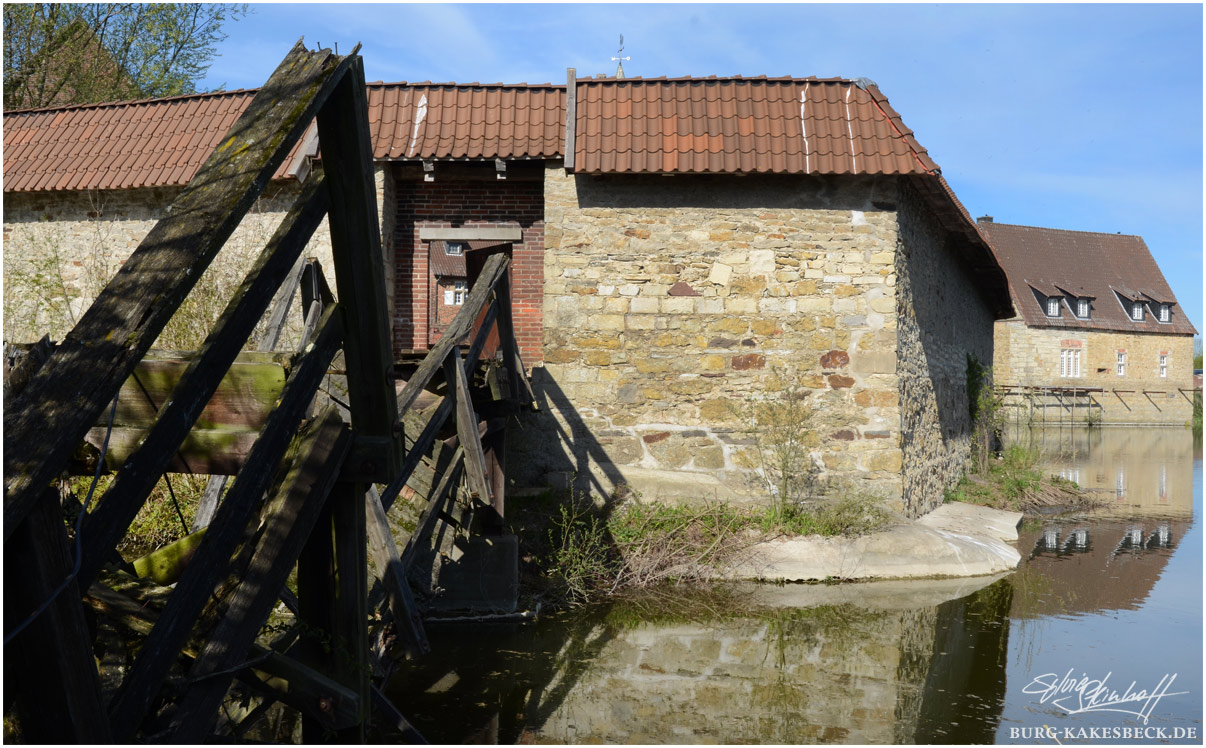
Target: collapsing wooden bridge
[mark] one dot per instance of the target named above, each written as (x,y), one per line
(210,656)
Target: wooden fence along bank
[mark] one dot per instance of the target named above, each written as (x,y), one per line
(303,499)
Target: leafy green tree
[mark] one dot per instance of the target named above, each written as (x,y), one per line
(57,54)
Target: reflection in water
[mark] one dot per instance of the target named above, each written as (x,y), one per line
(1117,591)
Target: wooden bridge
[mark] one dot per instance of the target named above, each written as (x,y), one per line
(208,656)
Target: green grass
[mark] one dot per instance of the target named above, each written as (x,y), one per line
(1016,482)
(582,552)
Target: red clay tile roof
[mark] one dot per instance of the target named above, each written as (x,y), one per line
(466,120)
(1081,263)
(742,125)
(444,265)
(163,142)
(151,143)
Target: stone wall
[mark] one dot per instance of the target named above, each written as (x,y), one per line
(671,301)
(1030,357)
(942,321)
(828,675)
(61,248)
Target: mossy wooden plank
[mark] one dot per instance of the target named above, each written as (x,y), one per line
(173,421)
(244,397)
(226,531)
(203,452)
(49,419)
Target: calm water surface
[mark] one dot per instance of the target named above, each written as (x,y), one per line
(1115,595)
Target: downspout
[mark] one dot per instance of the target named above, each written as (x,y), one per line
(571,115)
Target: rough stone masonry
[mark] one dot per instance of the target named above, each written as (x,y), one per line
(671,301)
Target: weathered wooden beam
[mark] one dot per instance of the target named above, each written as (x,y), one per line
(466,430)
(133,483)
(290,518)
(64,399)
(407,621)
(226,531)
(460,326)
(49,666)
(347,156)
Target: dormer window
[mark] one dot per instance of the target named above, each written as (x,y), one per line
(1082,308)
(454,248)
(1052,306)
(1137,311)
(1165,313)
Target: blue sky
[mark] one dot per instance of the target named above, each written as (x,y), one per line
(1085,117)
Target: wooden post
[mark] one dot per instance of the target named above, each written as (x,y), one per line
(347,155)
(333,595)
(49,666)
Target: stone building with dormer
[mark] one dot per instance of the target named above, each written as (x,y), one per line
(1099,337)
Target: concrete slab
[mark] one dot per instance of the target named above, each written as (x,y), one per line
(888,594)
(972,519)
(959,543)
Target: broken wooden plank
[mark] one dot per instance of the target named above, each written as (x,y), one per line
(227,529)
(407,621)
(54,678)
(133,483)
(347,155)
(64,399)
(290,519)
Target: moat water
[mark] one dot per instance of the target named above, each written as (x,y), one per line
(1104,605)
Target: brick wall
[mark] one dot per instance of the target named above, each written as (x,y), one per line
(942,321)
(669,302)
(1030,357)
(465,203)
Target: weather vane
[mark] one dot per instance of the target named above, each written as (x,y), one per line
(620,58)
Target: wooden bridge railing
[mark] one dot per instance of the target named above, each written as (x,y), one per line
(302,498)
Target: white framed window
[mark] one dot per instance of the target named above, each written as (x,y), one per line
(1165,313)
(1163,365)
(1120,484)
(1069,362)
(454,295)
(454,248)
(1122,363)
(1082,308)
(1052,306)
(1137,311)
